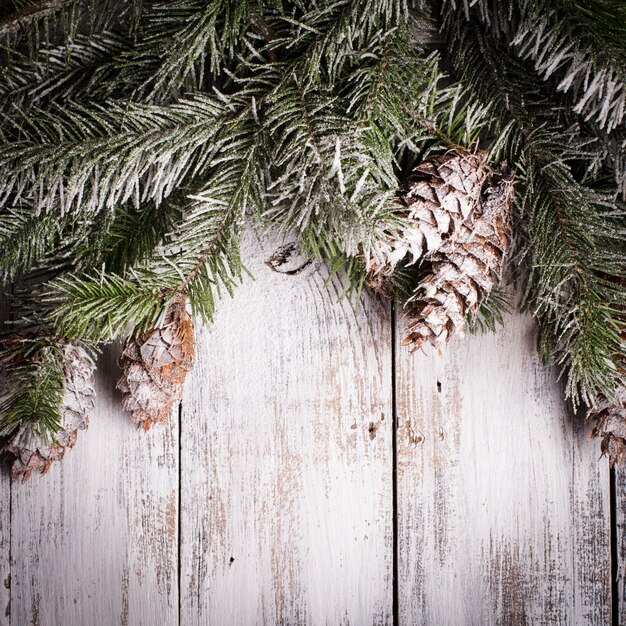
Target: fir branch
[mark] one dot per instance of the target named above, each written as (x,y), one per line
(208,238)
(338,153)
(327,180)
(574,250)
(614,157)
(491,312)
(31,12)
(392,84)
(174,41)
(94,158)
(131,237)
(180,38)
(35,384)
(580,44)
(584,43)
(25,239)
(198,257)
(326,35)
(79,69)
(103,307)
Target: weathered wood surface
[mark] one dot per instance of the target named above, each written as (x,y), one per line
(619,601)
(5,521)
(5,547)
(287,458)
(503,504)
(95,542)
(286,467)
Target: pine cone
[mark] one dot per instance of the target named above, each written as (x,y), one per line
(34,454)
(439,196)
(466,265)
(610,417)
(155,365)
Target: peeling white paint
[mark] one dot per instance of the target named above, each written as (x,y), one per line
(504,505)
(287,459)
(286,473)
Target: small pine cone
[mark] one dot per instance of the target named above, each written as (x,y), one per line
(464,268)
(610,418)
(155,365)
(34,454)
(439,196)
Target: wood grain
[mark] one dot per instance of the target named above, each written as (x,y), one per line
(503,504)
(5,514)
(5,547)
(287,457)
(620,542)
(95,540)
(286,469)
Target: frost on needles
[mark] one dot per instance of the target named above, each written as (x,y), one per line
(139,138)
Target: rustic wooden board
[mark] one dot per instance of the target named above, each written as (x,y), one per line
(619,602)
(286,484)
(5,518)
(95,541)
(503,504)
(287,457)
(5,547)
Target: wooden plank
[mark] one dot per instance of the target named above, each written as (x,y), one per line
(95,540)
(5,546)
(503,504)
(287,457)
(619,603)
(5,516)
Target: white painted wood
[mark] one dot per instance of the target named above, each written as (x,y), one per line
(5,518)
(287,458)
(5,547)
(94,542)
(620,542)
(286,469)
(503,502)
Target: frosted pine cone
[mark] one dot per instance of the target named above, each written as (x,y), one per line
(440,195)
(610,417)
(464,268)
(155,366)
(32,452)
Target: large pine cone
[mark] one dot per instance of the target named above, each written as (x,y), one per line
(155,366)
(465,266)
(34,454)
(439,196)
